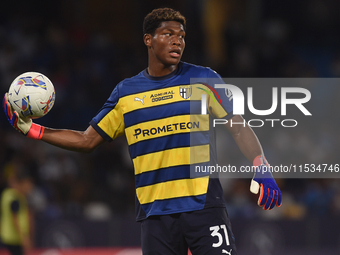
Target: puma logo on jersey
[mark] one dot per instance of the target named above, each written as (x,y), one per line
(226,252)
(140,100)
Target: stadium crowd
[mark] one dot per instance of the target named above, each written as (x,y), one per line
(87,49)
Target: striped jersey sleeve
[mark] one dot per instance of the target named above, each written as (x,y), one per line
(109,122)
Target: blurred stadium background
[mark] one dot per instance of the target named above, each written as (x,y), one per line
(86,202)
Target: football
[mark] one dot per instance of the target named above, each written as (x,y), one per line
(31,95)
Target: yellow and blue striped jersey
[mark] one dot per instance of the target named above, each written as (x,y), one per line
(167,135)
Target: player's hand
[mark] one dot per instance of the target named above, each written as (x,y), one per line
(23,125)
(20,124)
(263,180)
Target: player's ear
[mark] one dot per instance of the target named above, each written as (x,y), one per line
(147,39)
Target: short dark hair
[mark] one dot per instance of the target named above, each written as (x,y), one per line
(153,20)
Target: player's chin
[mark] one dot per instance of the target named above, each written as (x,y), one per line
(173,61)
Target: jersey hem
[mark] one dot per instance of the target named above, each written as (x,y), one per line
(138,219)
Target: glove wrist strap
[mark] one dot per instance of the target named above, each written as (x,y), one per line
(260,160)
(36,131)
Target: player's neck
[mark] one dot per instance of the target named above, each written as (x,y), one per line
(160,70)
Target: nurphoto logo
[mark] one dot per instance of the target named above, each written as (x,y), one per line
(234,93)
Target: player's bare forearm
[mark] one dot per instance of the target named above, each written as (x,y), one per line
(81,141)
(245,138)
(32,227)
(23,236)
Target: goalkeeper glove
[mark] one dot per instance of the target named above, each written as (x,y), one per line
(23,125)
(263,180)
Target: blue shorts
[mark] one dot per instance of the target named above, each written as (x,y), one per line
(206,231)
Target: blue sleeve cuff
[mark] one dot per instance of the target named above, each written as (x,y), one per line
(100,131)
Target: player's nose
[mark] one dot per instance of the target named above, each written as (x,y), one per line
(176,41)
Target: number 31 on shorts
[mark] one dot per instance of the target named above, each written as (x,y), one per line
(216,232)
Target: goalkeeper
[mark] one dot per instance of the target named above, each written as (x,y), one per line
(154,111)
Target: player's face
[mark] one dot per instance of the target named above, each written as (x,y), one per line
(167,44)
(26,186)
